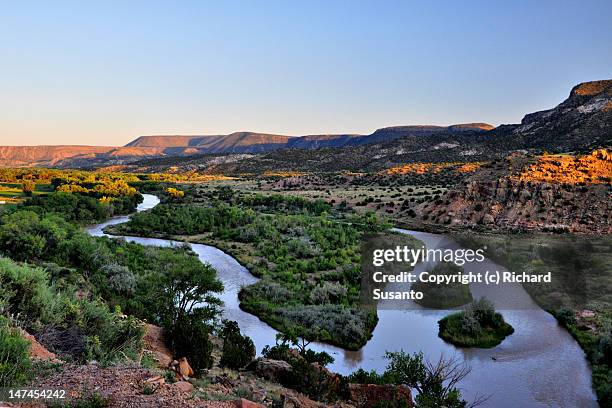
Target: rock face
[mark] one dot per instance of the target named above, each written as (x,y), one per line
(582,121)
(371,395)
(548,193)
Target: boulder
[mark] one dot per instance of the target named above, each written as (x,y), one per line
(184,368)
(297,400)
(157,380)
(371,395)
(244,403)
(184,386)
(273,370)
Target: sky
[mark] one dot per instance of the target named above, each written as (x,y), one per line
(105,72)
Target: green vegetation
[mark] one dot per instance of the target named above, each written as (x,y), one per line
(307,254)
(443,296)
(238,350)
(476,326)
(307,374)
(87,399)
(80,329)
(72,293)
(14,359)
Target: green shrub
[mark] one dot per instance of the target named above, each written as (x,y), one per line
(25,294)
(190,338)
(110,336)
(14,355)
(238,350)
(87,399)
(366,377)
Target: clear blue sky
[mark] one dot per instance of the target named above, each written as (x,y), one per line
(105,72)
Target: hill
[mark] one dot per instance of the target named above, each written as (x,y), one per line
(581,123)
(45,155)
(557,193)
(181,146)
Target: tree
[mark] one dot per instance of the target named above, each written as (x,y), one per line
(238,350)
(175,193)
(180,289)
(436,383)
(28,187)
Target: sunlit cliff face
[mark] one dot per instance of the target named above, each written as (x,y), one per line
(423,168)
(595,168)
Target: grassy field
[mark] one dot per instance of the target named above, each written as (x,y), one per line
(11,193)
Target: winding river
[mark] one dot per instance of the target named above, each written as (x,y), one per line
(540,365)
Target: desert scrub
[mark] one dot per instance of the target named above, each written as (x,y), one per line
(81,329)
(476,326)
(443,296)
(14,355)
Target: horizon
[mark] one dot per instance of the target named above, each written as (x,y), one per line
(242,131)
(105,74)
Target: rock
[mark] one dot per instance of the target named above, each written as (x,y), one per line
(155,343)
(184,368)
(273,370)
(157,380)
(488,219)
(244,403)
(371,395)
(184,386)
(296,400)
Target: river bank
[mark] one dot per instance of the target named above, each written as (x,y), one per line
(540,365)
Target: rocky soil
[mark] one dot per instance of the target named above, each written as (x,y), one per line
(171,383)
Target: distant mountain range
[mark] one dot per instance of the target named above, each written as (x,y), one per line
(583,121)
(182,145)
(252,142)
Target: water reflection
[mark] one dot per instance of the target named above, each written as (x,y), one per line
(540,365)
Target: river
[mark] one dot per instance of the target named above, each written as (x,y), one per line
(540,365)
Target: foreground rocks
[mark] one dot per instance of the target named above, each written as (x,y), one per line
(123,386)
(173,385)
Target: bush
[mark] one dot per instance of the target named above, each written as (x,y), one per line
(362,376)
(238,350)
(190,338)
(110,336)
(25,294)
(14,355)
